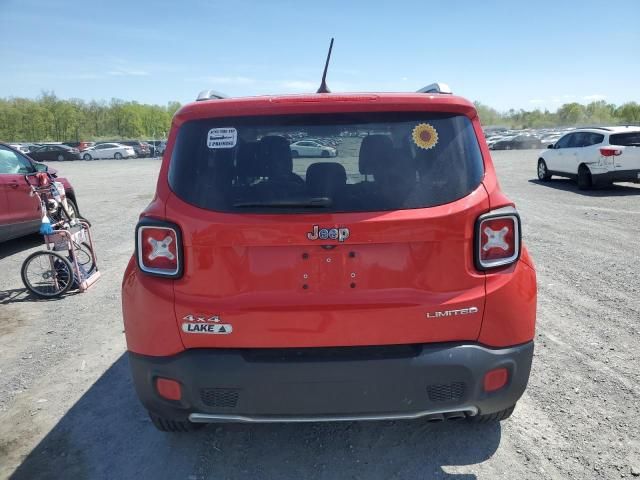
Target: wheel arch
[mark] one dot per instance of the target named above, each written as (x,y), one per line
(586,165)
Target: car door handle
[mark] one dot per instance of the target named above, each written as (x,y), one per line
(13,184)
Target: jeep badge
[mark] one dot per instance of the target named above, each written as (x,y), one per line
(340,234)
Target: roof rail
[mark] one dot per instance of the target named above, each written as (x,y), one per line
(437,87)
(210,95)
(589,127)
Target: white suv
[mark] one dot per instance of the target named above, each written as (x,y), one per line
(594,156)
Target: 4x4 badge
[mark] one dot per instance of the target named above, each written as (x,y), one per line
(340,234)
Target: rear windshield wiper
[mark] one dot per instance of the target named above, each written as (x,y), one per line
(318,202)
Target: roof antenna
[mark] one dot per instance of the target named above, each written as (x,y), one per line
(323,86)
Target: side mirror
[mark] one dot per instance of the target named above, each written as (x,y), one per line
(551,146)
(41,167)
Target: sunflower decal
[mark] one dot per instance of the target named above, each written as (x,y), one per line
(425,136)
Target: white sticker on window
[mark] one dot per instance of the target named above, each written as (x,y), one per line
(222,138)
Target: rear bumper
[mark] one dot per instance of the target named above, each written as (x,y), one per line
(331,384)
(632,175)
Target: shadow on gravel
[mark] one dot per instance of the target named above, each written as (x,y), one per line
(20,245)
(22,295)
(107,434)
(614,190)
(14,295)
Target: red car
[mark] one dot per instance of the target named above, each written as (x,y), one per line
(388,282)
(20,212)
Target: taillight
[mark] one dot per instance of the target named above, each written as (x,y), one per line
(497,238)
(610,152)
(159,248)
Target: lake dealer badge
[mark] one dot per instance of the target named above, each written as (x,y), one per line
(205,324)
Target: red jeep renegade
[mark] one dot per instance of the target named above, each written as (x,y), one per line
(329,257)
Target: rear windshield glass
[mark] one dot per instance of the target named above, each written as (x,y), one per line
(631,139)
(325,163)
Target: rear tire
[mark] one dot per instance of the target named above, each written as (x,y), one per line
(493,417)
(60,158)
(118,156)
(86,156)
(585,182)
(543,171)
(173,426)
(295,154)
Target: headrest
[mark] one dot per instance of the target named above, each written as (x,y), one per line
(275,154)
(325,178)
(375,151)
(247,162)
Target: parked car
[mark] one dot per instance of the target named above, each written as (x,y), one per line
(108,150)
(521,142)
(141,148)
(153,150)
(310,148)
(549,140)
(594,156)
(258,293)
(20,212)
(80,145)
(160,146)
(32,146)
(54,152)
(20,147)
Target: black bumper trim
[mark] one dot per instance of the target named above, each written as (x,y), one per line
(356,383)
(616,176)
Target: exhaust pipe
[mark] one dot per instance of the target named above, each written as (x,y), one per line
(436,417)
(454,415)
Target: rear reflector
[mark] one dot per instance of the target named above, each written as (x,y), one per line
(159,248)
(497,238)
(610,152)
(169,389)
(495,379)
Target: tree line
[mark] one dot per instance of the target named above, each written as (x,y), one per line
(568,115)
(49,118)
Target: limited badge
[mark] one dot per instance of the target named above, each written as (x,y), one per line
(222,137)
(425,136)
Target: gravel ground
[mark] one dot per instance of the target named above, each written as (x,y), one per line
(68,410)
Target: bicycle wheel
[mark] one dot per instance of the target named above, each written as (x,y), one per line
(47,274)
(84,256)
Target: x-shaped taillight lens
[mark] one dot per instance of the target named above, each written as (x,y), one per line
(158,249)
(497,238)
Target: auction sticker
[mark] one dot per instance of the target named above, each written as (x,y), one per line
(222,137)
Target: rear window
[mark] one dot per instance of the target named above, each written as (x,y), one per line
(631,139)
(351,162)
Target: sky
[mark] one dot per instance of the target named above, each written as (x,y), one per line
(533,54)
